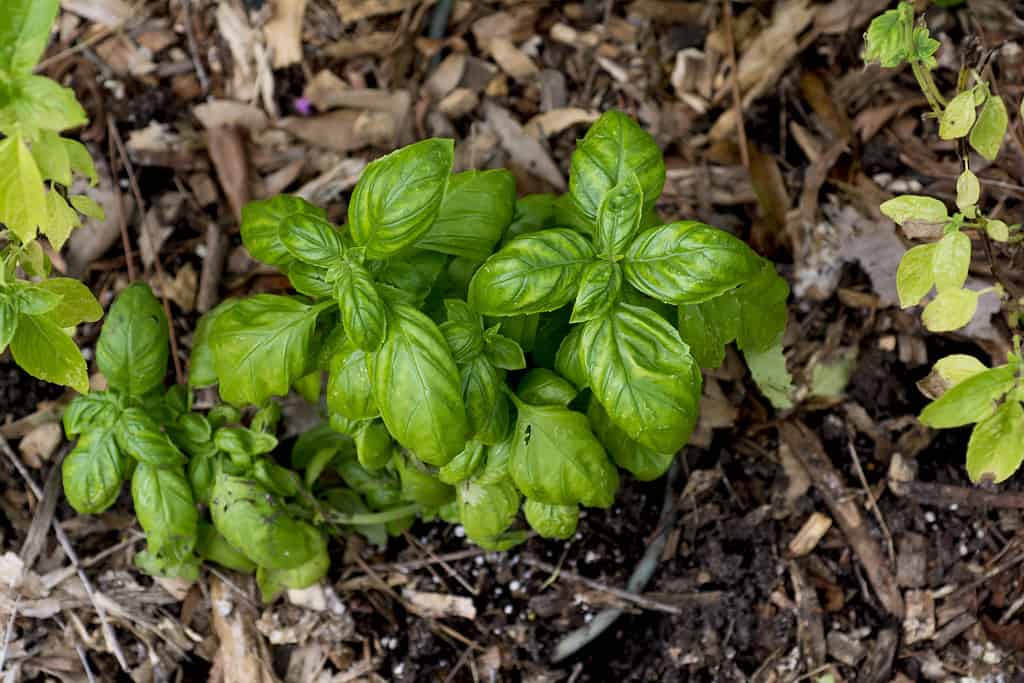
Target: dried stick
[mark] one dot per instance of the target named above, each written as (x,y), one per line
(807,448)
(737,97)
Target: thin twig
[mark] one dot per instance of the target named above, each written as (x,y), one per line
(444,564)
(108,631)
(737,96)
(126,242)
(872,503)
(137,193)
(434,559)
(193,48)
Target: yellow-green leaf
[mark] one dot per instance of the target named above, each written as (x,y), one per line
(996,448)
(87,206)
(990,129)
(914,277)
(958,117)
(62,220)
(912,207)
(951,261)
(950,310)
(42,349)
(22,197)
(51,156)
(968,191)
(997,230)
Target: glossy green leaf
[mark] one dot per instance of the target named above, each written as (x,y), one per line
(569,362)
(42,350)
(262,221)
(417,387)
(532,213)
(487,510)
(24,32)
(139,436)
(242,441)
(186,569)
(477,208)
(272,582)
(93,472)
(320,438)
(77,303)
(202,371)
(261,346)
(972,400)
(349,391)
(133,346)
(399,196)
(551,521)
(708,327)
(253,521)
(310,239)
(210,545)
(8,320)
(958,367)
(951,260)
(98,410)
(915,274)
(415,272)
(642,462)
(996,448)
(487,406)
(374,447)
(522,329)
(166,510)
(950,310)
(22,197)
(910,207)
(614,149)
(688,262)
(886,39)
(420,485)
(464,339)
(503,352)
(600,286)
(618,217)
(990,128)
(924,47)
(362,310)
(768,369)
(464,465)
(958,116)
(541,387)
(531,274)
(642,373)
(34,300)
(556,459)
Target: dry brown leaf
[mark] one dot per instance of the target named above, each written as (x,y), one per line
(222,113)
(523,149)
(40,444)
(555,121)
(283,32)
(322,90)
(243,656)
(153,232)
(516,24)
(458,102)
(110,13)
(181,289)
(243,42)
(447,75)
(375,99)
(810,534)
(440,605)
(352,11)
(511,59)
(227,151)
(379,43)
(835,18)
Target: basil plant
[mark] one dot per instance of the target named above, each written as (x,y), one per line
(484,355)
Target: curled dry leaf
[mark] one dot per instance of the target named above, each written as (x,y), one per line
(284,31)
(553,122)
(224,113)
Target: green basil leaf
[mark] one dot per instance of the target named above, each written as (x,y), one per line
(886,39)
(768,369)
(254,522)
(223,414)
(420,486)
(568,214)
(399,196)
(86,205)
(186,569)
(569,362)
(958,116)
(910,207)
(503,352)
(477,208)
(614,150)
(556,459)
(972,400)
(311,239)
(990,129)
(307,386)
(52,158)
(38,103)
(210,545)
(310,280)
(139,436)
(93,472)
(261,346)
(166,510)
(522,329)
(763,311)
(643,375)
(541,387)
(362,309)
(381,489)
(262,221)
(8,320)
(688,262)
(321,438)
(708,327)
(82,164)
(951,261)
(98,410)
(417,387)
(61,220)
(994,452)
(915,274)
(77,303)
(551,521)
(618,218)
(348,502)
(202,370)
(25,27)
(534,273)
(950,310)
(642,462)
(42,350)
(414,272)
(272,582)
(464,465)
(202,473)
(487,510)
(600,287)
(532,213)
(242,441)
(957,367)
(925,47)
(34,300)
(374,447)
(349,391)
(132,349)
(24,207)
(487,406)
(496,459)
(466,340)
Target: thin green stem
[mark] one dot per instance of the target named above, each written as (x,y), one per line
(927,85)
(364,518)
